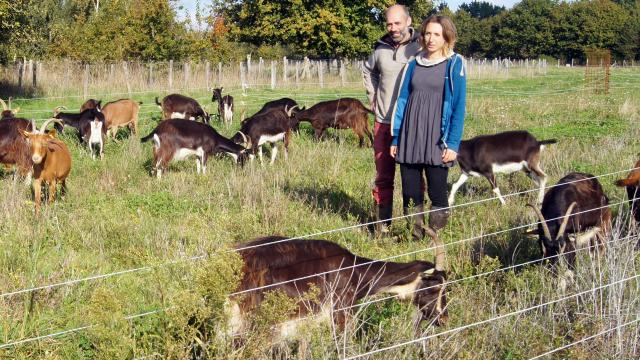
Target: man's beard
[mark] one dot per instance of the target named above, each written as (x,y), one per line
(399,36)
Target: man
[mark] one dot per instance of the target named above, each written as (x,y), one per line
(381,79)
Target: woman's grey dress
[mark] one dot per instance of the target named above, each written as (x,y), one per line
(419,141)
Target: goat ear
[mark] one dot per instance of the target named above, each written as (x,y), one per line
(429,272)
(16,110)
(52,133)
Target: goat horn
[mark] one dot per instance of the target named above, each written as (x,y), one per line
(57,109)
(565,221)
(34,127)
(46,123)
(440,253)
(545,228)
(290,111)
(4,106)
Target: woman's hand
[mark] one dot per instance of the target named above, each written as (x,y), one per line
(448,155)
(393,150)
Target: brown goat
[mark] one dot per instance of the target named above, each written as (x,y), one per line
(341,278)
(119,113)
(343,113)
(7,112)
(51,162)
(632,184)
(14,149)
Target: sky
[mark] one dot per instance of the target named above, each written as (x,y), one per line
(189,5)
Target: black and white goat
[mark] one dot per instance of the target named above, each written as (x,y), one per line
(268,127)
(504,152)
(225,105)
(178,139)
(90,124)
(580,193)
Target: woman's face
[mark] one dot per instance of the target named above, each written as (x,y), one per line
(433,39)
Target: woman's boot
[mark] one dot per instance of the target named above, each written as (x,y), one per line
(438,217)
(416,222)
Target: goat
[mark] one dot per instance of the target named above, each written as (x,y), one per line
(271,127)
(177,139)
(176,106)
(117,114)
(14,148)
(285,104)
(342,279)
(91,104)
(51,162)
(7,112)
(632,184)
(90,125)
(504,152)
(225,105)
(339,114)
(580,192)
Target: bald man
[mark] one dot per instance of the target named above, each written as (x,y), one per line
(381,79)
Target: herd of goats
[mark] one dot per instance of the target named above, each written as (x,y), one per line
(574,213)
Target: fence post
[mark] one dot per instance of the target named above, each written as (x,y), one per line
(284,69)
(249,64)
(305,68)
(125,68)
(273,74)
(297,73)
(171,75)
(320,75)
(207,74)
(343,73)
(219,74)
(186,71)
(34,75)
(150,81)
(20,73)
(85,88)
(243,76)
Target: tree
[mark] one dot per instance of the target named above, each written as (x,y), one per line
(481,9)
(343,28)
(527,31)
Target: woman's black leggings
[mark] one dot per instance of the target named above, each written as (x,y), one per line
(436,184)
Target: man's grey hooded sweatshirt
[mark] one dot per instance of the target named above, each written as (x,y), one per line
(382,72)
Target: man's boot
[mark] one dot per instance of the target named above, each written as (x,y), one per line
(438,217)
(384,212)
(416,222)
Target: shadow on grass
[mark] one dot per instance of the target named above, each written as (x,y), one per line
(513,248)
(11,89)
(330,200)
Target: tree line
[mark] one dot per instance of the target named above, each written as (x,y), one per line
(228,30)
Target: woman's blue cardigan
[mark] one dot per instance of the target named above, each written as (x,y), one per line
(453,105)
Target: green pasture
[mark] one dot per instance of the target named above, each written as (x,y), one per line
(116,216)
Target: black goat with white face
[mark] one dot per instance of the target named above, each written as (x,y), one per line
(225,105)
(91,126)
(580,193)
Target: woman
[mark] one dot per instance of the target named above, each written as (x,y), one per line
(428,119)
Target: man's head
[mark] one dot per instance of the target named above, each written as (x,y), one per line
(398,22)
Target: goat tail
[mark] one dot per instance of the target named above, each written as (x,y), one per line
(140,102)
(157,102)
(547,142)
(148,137)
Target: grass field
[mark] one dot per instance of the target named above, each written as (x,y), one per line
(117,217)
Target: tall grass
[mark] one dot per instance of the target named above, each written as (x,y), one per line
(116,216)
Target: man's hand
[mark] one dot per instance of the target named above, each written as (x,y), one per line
(393,151)
(449,155)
